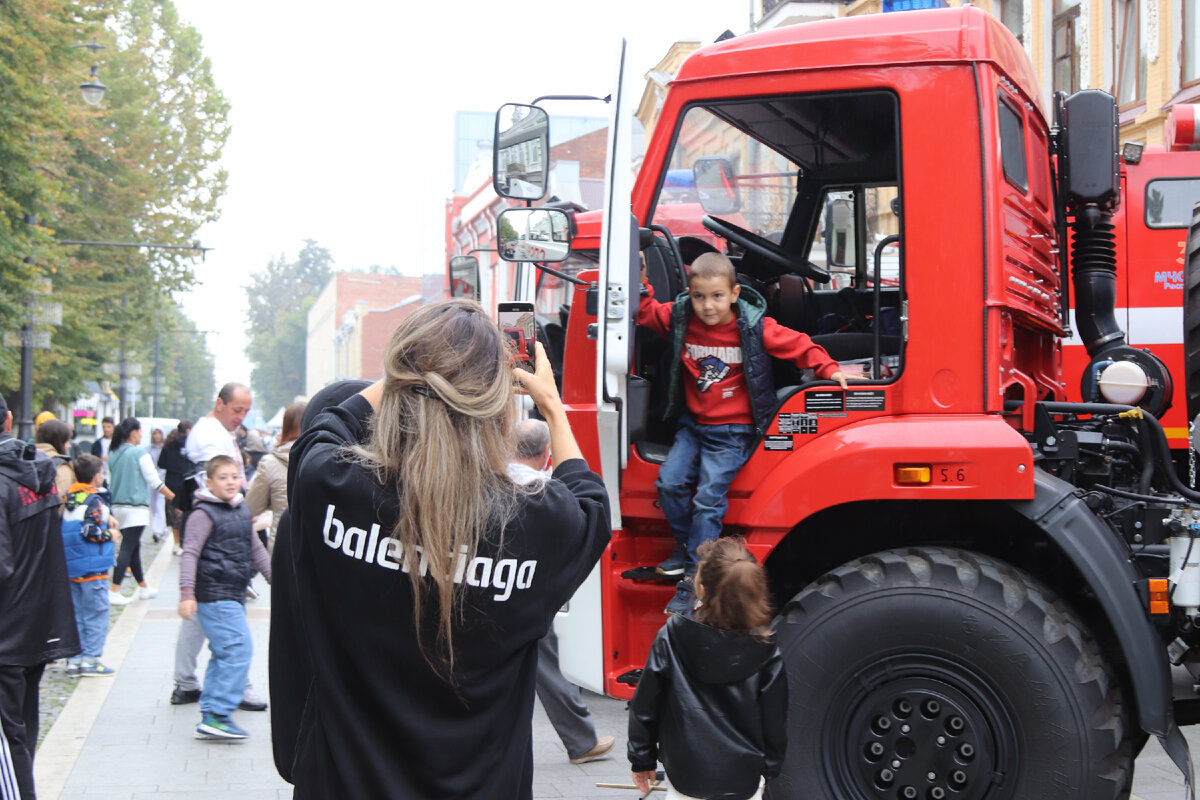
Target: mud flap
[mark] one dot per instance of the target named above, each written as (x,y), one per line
(1177,748)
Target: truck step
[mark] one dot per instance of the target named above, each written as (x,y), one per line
(647,574)
(630,678)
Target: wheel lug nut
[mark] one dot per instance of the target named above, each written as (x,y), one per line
(905,728)
(908,792)
(955,725)
(937,793)
(881,725)
(902,708)
(941,740)
(958,777)
(896,764)
(966,750)
(931,708)
(885,778)
(874,751)
(931,776)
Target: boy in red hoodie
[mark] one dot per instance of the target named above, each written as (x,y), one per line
(723,344)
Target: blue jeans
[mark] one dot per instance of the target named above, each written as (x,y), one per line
(91,617)
(709,457)
(224,623)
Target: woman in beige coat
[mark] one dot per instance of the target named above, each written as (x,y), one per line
(268,490)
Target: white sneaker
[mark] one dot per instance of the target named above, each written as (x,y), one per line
(147,592)
(177,550)
(118,599)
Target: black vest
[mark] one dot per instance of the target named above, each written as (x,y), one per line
(225,566)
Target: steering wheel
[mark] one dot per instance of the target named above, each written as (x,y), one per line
(765,248)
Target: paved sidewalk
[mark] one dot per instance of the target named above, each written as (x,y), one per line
(120,738)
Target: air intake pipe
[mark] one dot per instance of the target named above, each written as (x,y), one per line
(1090,188)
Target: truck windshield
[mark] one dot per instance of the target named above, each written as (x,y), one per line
(756,190)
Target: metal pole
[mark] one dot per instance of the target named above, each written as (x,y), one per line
(122,382)
(154,389)
(25,426)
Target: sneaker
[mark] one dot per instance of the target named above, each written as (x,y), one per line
(118,599)
(158,537)
(213,726)
(675,563)
(684,601)
(147,593)
(250,704)
(72,669)
(95,668)
(598,751)
(181,697)
(177,550)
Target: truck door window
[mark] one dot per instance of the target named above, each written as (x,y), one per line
(1169,202)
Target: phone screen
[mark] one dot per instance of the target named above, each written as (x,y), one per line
(517,323)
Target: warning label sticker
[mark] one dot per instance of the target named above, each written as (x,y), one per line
(815,402)
(865,400)
(774,442)
(797,423)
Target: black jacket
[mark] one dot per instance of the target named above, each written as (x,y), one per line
(37,618)
(378,721)
(225,565)
(712,706)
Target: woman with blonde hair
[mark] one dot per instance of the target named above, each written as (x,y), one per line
(268,488)
(426,576)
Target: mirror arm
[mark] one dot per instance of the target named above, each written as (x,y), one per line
(482,250)
(605,99)
(563,275)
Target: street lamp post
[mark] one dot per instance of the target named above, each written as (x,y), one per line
(92,92)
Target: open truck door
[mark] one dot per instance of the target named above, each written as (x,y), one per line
(581,648)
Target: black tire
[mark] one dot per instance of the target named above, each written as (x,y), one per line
(1191,316)
(945,663)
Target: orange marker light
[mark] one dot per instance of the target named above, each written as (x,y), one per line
(912,474)
(1160,594)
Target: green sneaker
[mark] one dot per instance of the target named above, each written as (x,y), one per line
(213,726)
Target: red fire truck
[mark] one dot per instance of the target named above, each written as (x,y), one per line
(985,561)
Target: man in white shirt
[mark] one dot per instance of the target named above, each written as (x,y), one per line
(212,435)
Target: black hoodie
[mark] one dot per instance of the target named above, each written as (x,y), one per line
(711,704)
(37,618)
(378,722)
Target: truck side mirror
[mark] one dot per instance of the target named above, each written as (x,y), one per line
(463,275)
(533,234)
(839,230)
(520,151)
(716,184)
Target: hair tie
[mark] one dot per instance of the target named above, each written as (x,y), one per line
(421,389)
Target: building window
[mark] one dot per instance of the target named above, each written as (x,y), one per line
(1066,58)
(1012,14)
(1191,41)
(1129,58)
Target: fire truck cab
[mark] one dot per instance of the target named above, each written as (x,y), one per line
(982,586)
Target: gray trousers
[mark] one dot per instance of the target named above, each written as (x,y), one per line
(187,652)
(562,701)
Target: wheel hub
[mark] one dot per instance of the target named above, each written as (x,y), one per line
(918,737)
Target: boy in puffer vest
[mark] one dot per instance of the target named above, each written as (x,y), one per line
(220,554)
(87,531)
(723,344)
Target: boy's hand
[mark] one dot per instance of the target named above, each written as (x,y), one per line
(643,780)
(840,377)
(187,609)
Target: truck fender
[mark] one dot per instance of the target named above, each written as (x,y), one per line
(1093,549)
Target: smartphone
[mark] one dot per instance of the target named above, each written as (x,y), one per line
(517,323)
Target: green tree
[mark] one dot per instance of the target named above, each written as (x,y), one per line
(279,298)
(142,167)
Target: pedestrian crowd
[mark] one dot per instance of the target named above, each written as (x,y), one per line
(419,539)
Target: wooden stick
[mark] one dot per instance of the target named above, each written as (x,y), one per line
(658,787)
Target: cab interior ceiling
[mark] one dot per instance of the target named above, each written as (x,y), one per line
(848,137)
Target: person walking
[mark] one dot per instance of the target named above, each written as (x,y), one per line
(132,477)
(561,699)
(54,441)
(268,487)
(177,471)
(37,619)
(158,503)
(423,686)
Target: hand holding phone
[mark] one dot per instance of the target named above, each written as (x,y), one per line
(519,327)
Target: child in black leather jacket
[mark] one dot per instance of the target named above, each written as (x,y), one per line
(711,703)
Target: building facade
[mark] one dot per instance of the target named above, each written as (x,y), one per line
(350,323)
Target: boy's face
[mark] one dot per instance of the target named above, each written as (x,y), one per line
(98,479)
(224,483)
(713,299)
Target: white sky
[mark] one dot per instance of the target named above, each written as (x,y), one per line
(343,118)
